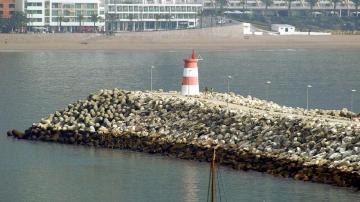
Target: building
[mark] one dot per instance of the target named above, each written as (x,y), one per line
(135,15)
(7,8)
(283,29)
(324,5)
(64,15)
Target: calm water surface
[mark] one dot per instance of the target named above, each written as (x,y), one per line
(34,84)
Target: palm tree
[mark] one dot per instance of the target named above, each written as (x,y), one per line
(312,3)
(289,7)
(95,18)
(131,18)
(267,4)
(243,3)
(157,17)
(356,3)
(168,17)
(200,13)
(60,20)
(335,2)
(80,18)
(221,11)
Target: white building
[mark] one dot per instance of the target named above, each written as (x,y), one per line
(283,29)
(125,15)
(64,15)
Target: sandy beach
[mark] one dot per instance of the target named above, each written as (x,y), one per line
(217,38)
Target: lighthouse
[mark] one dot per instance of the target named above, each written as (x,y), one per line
(190,81)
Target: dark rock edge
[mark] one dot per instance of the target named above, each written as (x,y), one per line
(227,155)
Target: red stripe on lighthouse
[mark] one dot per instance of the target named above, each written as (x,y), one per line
(190,63)
(190,81)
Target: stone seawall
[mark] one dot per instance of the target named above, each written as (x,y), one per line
(254,134)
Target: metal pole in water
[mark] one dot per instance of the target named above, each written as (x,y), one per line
(228,91)
(213,193)
(307,96)
(151,79)
(352,99)
(267,89)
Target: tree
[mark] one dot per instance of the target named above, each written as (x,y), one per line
(157,17)
(200,13)
(168,17)
(312,3)
(131,18)
(267,4)
(356,3)
(335,3)
(95,18)
(221,11)
(80,18)
(17,20)
(110,18)
(243,3)
(289,7)
(60,20)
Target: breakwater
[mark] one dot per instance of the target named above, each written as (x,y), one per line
(317,145)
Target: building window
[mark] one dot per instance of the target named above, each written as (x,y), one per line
(91,6)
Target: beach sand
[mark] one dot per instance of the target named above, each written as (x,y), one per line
(218,38)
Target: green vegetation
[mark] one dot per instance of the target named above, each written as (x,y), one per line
(302,20)
(14,24)
(95,18)
(80,19)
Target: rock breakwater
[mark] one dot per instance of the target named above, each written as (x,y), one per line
(320,146)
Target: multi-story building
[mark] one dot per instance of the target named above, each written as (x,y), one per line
(7,8)
(64,15)
(280,5)
(125,15)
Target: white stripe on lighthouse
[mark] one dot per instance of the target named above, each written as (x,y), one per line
(190,72)
(190,89)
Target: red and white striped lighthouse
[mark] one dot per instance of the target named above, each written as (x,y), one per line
(190,81)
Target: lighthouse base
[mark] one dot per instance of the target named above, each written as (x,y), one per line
(190,90)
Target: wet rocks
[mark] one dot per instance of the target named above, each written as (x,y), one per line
(16,133)
(287,140)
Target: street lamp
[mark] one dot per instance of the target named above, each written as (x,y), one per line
(307,96)
(352,99)
(151,77)
(267,89)
(228,91)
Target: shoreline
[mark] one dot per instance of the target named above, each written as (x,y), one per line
(309,145)
(217,38)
